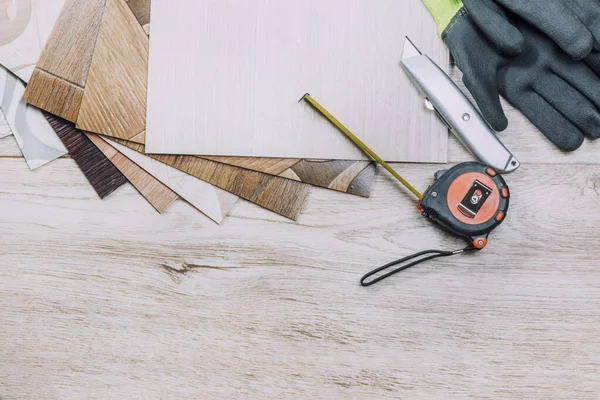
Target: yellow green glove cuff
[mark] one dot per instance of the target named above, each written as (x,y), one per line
(443,11)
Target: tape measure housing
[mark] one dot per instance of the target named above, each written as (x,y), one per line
(470,200)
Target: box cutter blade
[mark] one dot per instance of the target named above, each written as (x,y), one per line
(455,110)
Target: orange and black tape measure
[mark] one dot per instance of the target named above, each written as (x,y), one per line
(469,200)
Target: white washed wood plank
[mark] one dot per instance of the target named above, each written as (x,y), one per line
(226,77)
(128,304)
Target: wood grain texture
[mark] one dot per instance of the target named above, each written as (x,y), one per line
(104,177)
(262,308)
(117,302)
(213,202)
(26,26)
(352,177)
(118,77)
(60,76)
(277,52)
(157,194)
(114,101)
(283,196)
(141,11)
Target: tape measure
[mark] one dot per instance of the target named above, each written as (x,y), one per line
(469,200)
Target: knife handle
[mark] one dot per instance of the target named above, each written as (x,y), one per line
(457,112)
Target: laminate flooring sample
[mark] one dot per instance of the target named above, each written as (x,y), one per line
(213,202)
(283,196)
(34,135)
(117,78)
(225,78)
(25,26)
(141,10)
(157,194)
(59,79)
(104,177)
(114,101)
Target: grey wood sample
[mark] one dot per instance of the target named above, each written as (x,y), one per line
(36,138)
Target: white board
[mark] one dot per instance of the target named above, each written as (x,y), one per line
(226,76)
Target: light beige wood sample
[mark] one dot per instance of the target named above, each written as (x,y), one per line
(283,196)
(213,202)
(225,78)
(109,106)
(59,78)
(157,194)
(25,26)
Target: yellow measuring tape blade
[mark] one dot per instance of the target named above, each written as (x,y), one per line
(359,143)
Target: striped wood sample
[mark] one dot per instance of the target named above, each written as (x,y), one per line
(118,76)
(25,26)
(157,194)
(352,177)
(213,202)
(122,106)
(58,81)
(283,196)
(104,177)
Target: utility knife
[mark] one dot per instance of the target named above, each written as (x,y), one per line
(455,110)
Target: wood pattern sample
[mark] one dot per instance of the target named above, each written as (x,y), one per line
(283,196)
(119,67)
(157,194)
(104,177)
(36,138)
(59,79)
(352,177)
(213,202)
(122,107)
(25,26)
(141,11)
(215,90)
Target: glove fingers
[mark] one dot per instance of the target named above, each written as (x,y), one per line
(588,13)
(572,104)
(593,62)
(559,130)
(494,24)
(580,77)
(557,21)
(488,99)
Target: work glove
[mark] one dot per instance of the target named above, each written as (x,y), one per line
(573,24)
(488,48)
(559,95)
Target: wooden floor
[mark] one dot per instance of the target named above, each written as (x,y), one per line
(109,300)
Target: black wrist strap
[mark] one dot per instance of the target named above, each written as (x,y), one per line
(418,258)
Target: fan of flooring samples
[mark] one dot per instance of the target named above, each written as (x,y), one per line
(93,72)
(225,78)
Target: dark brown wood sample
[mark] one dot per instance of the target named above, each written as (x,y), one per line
(283,196)
(104,177)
